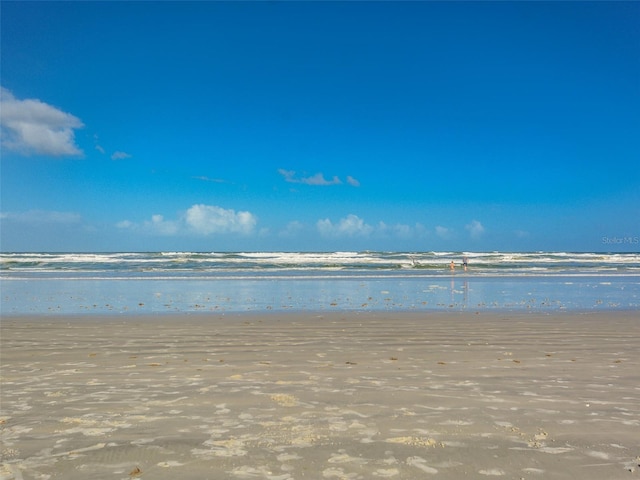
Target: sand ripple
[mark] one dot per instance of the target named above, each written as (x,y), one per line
(339,397)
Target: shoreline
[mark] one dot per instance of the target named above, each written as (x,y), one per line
(341,394)
(461,293)
(333,312)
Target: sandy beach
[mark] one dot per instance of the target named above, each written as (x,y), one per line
(321,396)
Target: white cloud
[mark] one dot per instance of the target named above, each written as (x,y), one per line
(125,224)
(198,219)
(475,229)
(120,155)
(352,226)
(317,179)
(31,126)
(349,226)
(352,181)
(288,175)
(208,219)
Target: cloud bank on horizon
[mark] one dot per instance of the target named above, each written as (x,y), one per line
(212,220)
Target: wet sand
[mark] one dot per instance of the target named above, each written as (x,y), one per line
(321,396)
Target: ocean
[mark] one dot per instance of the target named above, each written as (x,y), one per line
(228,282)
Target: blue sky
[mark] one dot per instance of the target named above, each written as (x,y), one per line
(216,126)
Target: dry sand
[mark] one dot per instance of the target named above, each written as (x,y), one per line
(331,396)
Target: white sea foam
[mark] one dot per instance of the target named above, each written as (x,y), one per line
(480,262)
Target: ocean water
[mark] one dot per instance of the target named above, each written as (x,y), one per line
(170,282)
